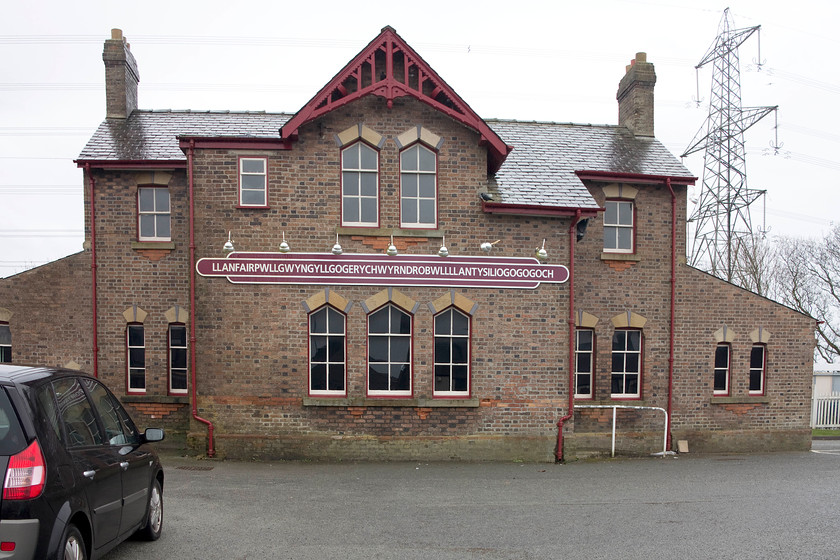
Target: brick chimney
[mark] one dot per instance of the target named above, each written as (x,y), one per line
(635,96)
(121,77)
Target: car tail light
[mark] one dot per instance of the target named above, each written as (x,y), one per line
(25,475)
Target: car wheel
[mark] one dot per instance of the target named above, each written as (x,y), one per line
(154,520)
(74,545)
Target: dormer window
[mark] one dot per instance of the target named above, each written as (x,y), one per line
(359,186)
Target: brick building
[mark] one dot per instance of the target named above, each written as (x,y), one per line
(365,278)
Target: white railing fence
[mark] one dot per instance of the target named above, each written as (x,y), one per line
(825,411)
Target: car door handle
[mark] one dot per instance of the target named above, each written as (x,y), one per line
(124,465)
(89,474)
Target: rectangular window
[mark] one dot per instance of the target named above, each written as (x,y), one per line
(452,354)
(626,363)
(360,186)
(153,214)
(327,351)
(758,362)
(584,343)
(389,352)
(721,379)
(5,343)
(253,181)
(418,187)
(618,226)
(136,352)
(177,359)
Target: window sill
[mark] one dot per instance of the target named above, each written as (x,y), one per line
(241,207)
(407,403)
(631,257)
(153,245)
(757,399)
(386,232)
(168,399)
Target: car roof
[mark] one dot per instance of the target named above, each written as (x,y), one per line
(15,373)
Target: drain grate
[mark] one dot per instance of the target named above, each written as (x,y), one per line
(194,468)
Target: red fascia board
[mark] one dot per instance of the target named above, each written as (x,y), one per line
(234,143)
(537,210)
(132,163)
(637,178)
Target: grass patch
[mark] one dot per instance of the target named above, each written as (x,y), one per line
(823,432)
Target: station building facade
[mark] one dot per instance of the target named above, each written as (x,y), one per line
(384,274)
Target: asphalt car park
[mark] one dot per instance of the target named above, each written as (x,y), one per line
(781,505)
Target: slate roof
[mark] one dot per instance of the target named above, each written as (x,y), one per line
(540,170)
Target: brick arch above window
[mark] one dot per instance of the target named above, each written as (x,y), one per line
(5,315)
(584,320)
(359,132)
(160,178)
(629,320)
(327,297)
(724,334)
(620,190)
(390,295)
(177,314)
(760,336)
(418,133)
(453,299)
(135,315)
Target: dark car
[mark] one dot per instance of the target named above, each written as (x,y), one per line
(78,476)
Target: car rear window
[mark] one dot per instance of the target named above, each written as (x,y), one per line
(11,434)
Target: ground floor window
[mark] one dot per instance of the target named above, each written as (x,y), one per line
(626,363)
(452,353)
(327,345)
(584,344)
(177,358)
(5,343)
(389,352)
(721,375)
(135,340)
(758,361)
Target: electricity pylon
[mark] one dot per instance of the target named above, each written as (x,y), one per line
(721,219)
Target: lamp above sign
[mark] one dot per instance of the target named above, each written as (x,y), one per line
(383,270)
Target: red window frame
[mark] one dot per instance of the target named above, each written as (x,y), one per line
(327,393)
(591,372)
(625,395)
(420,225)
(358,170)
(128,357)
(391,394)
(450,337)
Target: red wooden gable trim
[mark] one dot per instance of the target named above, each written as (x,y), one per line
(389,68)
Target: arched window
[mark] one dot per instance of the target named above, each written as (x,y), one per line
(626,377)
(723,356)
(177,341)
(758,368)
(135,343)
(327,352)
(389,352)
(452,354)
(359,186)
(418,187)
(584,362)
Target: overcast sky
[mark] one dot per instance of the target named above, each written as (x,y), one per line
(548,61)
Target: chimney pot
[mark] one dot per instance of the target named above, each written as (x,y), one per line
(635,96)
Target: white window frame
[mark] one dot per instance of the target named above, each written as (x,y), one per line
(389,361)
(762,370)
(613,226)
(627,353)
(5,343)
(172,349)
(328,362)
(355,170)
(251,175)
(590,353)
(451,338)
(132,367)
(156,213)
(726,370)
(415,150)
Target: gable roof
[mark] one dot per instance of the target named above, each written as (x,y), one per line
(548,159)
(389,68)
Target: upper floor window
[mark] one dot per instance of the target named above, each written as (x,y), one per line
(359,186)
(389,352)
(452,354)
(135,343)
(5,343)
(253,182)
(618,226)
(327,344)
(758,363)
(153,214)
(584,346)
(721,377)
(626,363)
(418,187)
(177,358)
